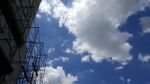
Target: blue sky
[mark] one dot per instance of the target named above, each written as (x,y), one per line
(96,41)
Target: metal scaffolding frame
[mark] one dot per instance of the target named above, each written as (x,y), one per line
(34,57)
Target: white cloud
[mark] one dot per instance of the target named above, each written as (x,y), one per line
(145,24)
(45,7)
(96,29)
(91,70)
(125,80)
(50,50)
(61,58)
(57,76)
(85,72)
(144,58)
(38,16)
(119,68)
(69,51)
(85,58)
(52,8)
(128,80)
(64,43)
(95,25)
(64,59)
(122,78)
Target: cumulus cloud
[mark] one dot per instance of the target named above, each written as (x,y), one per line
(45,7)
(145,58)
(145,24)
(57,76)
(52,8)
(95,25)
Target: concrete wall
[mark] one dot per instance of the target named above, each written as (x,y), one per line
(6,46)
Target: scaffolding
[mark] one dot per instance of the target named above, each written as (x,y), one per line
(23,47)
(35,59)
